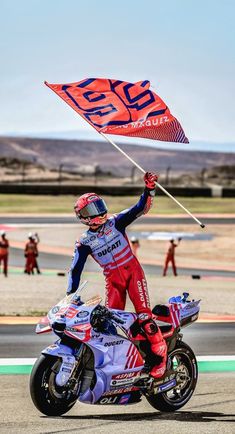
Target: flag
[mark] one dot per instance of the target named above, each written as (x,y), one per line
(122,108)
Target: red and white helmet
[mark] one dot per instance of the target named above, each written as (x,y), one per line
(91,209)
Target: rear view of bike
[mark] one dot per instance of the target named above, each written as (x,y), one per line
(182,368)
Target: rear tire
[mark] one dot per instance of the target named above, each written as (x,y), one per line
(184,361)
(49,398)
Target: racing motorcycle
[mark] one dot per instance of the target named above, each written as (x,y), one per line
(96,360)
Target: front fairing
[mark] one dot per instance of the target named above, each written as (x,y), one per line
(68,307)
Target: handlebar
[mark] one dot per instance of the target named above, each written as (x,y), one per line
(116,318)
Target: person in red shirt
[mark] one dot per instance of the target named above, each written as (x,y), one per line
(30,253)
(4,247)
(170,257)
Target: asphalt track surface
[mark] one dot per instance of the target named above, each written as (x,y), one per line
(141,220)
(204,338)
(209,411)
(62,263)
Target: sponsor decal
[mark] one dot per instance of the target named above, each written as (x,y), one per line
(111,344)
(109,249)
(121,390)
(123,379)
(144,316)
(95,335)
(141,293)
(166,379)
(108,231)
(124,375)
(110,400)
(111,223)
(92,238)
(92,198)
(124,399)
(82,314)
(66,370)
(167,386)
(80,321)
(52,347)
(71,312)
(85,241)
(55,309)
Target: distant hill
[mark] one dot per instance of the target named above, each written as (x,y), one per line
(73,153)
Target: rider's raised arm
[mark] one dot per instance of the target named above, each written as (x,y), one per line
(143,206)
(80,256)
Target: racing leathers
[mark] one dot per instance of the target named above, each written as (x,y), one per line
(4,247)
(30,252)
(109,246)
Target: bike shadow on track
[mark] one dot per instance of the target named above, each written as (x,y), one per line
(185,416)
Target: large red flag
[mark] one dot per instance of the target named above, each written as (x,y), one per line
(122,108)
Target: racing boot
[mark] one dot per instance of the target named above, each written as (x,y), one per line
(157,344)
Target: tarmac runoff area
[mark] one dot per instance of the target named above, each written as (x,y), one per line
(209,411)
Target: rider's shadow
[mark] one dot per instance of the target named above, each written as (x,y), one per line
(185,416)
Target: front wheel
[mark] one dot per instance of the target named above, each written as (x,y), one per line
(183,361)
(49,398)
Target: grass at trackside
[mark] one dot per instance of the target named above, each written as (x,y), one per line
(30,204)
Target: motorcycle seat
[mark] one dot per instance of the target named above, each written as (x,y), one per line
(165,328)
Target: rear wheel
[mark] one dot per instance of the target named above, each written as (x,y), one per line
(47,396)
(183,361)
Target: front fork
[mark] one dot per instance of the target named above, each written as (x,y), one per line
(68,356)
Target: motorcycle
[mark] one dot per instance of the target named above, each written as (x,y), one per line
(96,360)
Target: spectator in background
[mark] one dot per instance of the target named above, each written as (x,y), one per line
(30,253)
(135,244)
(36,240)
(4,248)
(170,257)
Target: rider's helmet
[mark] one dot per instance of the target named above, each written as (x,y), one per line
(3,233)
(91,209)
(30,236)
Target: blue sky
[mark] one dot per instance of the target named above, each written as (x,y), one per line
(185,48)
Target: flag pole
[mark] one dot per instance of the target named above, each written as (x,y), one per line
(158,185)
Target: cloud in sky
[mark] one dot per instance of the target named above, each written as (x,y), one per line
(185,48)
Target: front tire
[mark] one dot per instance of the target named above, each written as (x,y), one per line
(49,398)
(183,360)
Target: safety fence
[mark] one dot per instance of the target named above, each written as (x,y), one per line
(113,190)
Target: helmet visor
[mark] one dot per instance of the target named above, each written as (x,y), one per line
(93,209)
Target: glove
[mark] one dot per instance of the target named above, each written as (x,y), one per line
(100,321)
(150,179)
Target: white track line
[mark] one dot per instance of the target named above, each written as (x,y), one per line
(31,361)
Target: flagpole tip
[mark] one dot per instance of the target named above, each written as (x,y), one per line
(203,226)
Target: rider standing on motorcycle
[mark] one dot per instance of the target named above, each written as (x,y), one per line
(106,241)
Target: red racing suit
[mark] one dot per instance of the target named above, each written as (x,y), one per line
(4,247)
(170,257)
(30,252)
(110,247)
